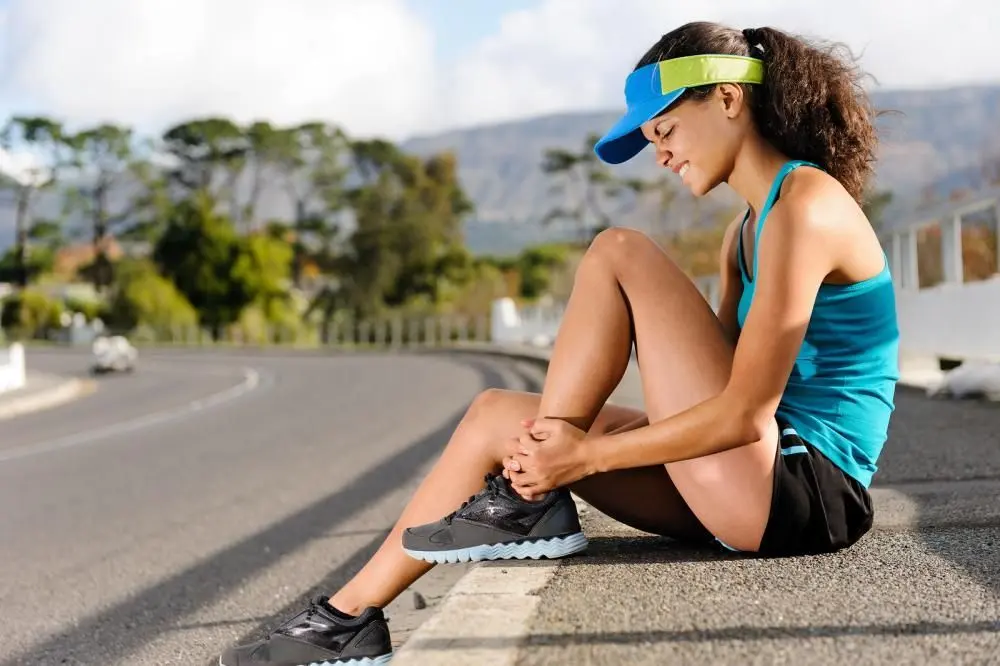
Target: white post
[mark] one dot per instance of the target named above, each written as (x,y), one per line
(911,272)
(397,332)
(505,321)
(12,374)
(430,332)
(896,258)
(951,250)
(17,363)
(996,230)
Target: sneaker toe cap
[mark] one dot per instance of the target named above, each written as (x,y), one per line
(424,535)
(240,655)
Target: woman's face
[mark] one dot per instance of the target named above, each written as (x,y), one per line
(699,139)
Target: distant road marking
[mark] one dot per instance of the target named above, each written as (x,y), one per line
(251,380)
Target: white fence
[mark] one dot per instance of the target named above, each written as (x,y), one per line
(12,368)
(534,325)
(958,316)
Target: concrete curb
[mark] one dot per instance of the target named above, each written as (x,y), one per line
(491,602)
(501,597)
(67,391)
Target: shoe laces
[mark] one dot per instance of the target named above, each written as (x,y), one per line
(315,606)
(494,485)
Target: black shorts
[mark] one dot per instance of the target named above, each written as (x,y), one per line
(815,507)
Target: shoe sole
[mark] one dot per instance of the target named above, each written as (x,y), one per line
(551,548)
(366,661)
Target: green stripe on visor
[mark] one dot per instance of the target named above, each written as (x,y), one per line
(700,70)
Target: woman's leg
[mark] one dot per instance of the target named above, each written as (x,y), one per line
(627,288)
(644,498)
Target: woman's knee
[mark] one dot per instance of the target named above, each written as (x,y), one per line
(500,406)
(494,416)
(619,247)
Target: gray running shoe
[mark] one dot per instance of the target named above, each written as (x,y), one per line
(319,635)
(497,524)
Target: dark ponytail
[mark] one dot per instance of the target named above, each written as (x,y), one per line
(811,105)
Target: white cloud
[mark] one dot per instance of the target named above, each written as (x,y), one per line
(567,55)
(368,65)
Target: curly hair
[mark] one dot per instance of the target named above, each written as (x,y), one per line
(811,105)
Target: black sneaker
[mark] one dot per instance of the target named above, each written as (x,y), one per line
(497,524)
(318,636)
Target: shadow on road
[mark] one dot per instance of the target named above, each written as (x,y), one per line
(734,633)
(128,626)
(945,456)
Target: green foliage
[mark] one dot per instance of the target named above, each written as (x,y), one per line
(90,309)
(875,204)
(408,243)
(264,266)
(142,297)
(37,261)
(371,227)
(203,147)
(535,266)
(474,296)
(202,255)
(29,314)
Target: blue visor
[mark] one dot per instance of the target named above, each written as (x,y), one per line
(650,90)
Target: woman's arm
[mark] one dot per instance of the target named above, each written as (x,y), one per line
(795,257)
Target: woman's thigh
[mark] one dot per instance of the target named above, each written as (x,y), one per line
(685,358)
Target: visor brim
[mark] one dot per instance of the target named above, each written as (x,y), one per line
(625,139)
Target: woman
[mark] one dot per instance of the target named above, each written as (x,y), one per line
(764,424)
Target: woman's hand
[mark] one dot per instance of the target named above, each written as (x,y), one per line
(550,454)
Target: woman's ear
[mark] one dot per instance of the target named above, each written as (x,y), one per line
(731,98)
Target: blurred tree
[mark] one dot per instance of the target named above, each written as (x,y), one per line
(143,297)
(407,241)
(104,160)
(202,255)
(314,161)
(586,186)
(207,155)
(875,205)
(43,138)
(30,313)
(535,266)
(264,266)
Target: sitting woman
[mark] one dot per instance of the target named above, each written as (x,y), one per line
(763,424)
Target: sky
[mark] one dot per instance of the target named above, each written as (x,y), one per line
(399,68)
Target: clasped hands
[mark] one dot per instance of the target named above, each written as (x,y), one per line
(549,454)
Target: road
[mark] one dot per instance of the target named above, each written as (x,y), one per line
(187,506)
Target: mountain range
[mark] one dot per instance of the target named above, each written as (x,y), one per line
(933,142)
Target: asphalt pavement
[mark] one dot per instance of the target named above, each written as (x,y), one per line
(189,505)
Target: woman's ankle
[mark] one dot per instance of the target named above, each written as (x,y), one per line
(345,605)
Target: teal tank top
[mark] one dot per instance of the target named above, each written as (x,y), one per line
(841,390)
